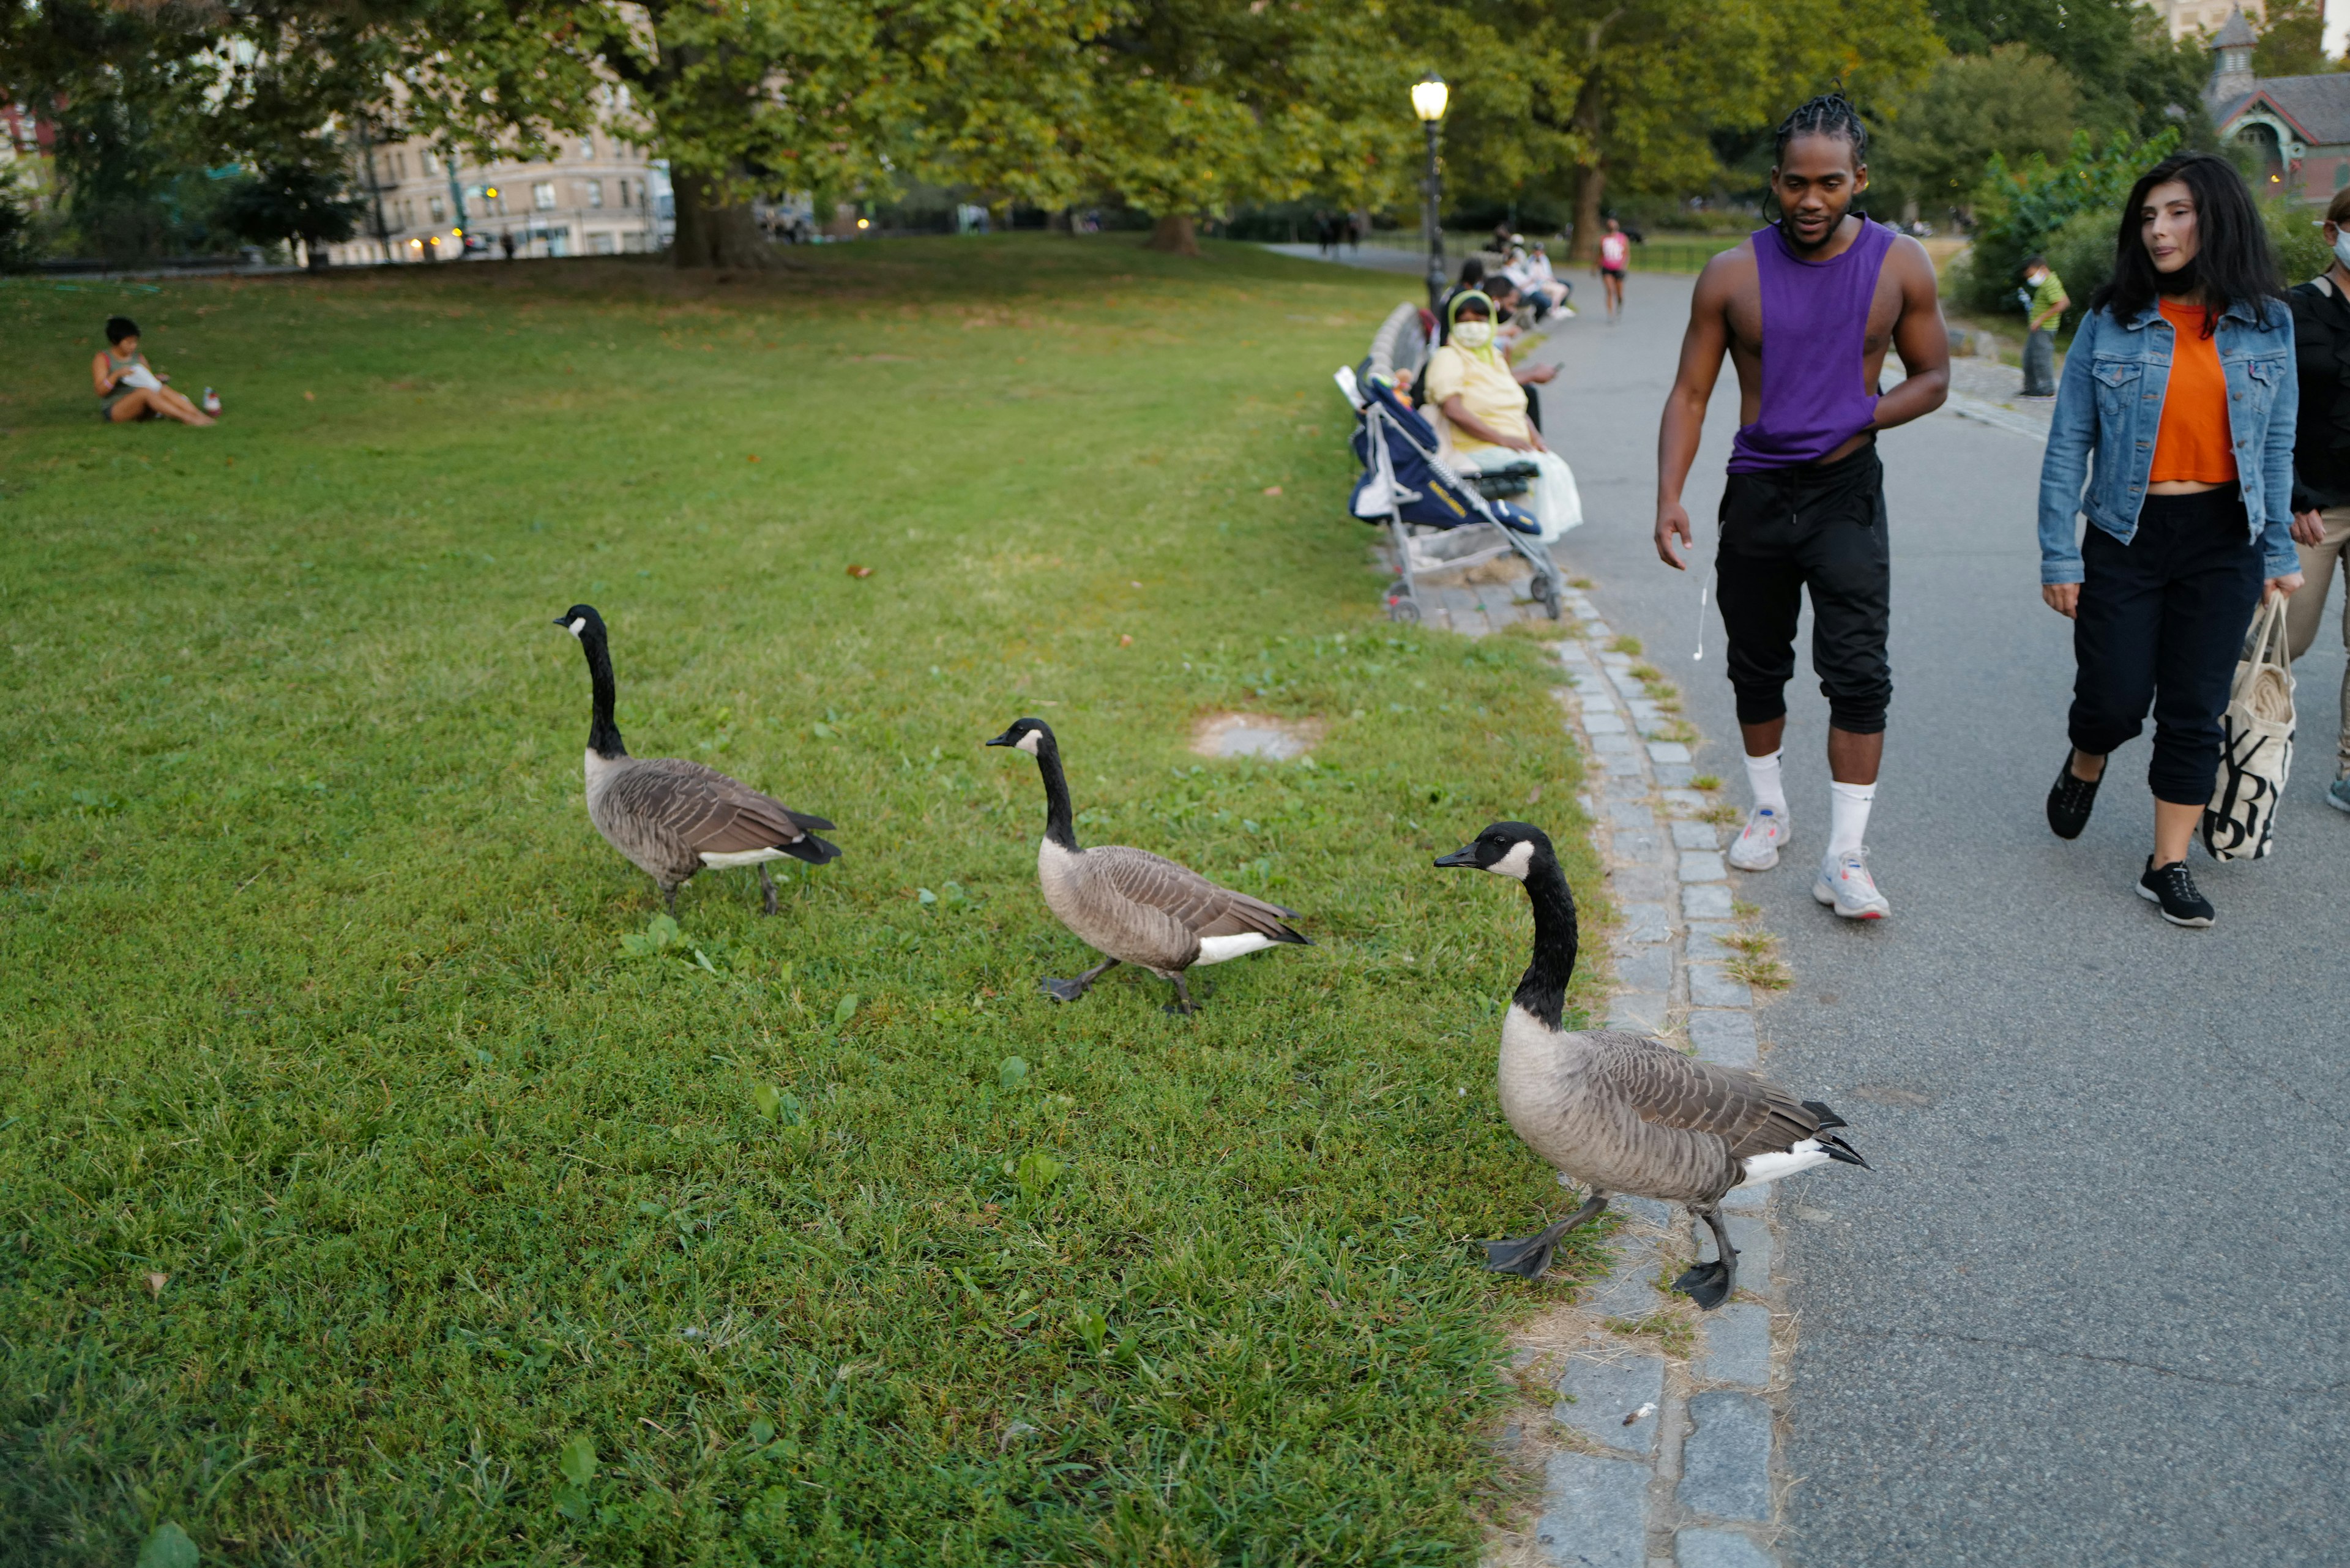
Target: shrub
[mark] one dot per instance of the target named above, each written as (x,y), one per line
(2018,211)
(2082,250)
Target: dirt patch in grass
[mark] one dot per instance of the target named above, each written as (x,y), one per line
(1259,735)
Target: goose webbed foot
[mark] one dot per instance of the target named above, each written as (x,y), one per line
(767,886)
(1070,990)
(1182,1006)
(669,897)
(1709,1284)
(1529,1256)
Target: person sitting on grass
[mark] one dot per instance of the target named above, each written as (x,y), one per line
(1484,408)
(130,386)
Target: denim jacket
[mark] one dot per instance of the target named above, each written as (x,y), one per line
(2110,401)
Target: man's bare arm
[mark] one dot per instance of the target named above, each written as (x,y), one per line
(1703,347)
(1921,339)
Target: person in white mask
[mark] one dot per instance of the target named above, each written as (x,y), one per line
(1483,420)
(2321,462)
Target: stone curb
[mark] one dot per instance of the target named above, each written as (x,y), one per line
(1674,1462)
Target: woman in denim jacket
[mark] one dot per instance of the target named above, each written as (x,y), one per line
(2181,382)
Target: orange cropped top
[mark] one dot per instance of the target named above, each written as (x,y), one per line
(2194,441)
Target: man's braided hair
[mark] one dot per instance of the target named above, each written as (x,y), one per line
(1830,114)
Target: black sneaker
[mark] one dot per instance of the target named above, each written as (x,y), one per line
(2069,800)
(2170,887)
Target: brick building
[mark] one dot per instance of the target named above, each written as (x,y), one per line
(2298,126)
(591,195)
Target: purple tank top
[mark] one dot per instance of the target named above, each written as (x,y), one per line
(1815,323)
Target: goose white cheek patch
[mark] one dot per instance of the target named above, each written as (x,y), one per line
(580,627)
(1031,742)
(1517,862)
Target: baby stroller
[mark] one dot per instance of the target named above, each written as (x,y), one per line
(1405,486)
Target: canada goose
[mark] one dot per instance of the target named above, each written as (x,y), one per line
(1625,1113)
(671,817)
(1131,904)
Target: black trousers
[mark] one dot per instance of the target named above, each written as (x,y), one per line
(1818,527)
(2161,624)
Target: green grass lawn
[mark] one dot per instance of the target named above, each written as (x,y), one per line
(363,1200)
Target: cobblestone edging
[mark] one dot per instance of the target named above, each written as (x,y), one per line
(1663,1451)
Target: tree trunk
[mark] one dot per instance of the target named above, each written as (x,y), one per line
(1586,213)
(713,235)
(1175,235)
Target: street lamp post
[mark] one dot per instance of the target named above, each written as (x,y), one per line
(1429,97)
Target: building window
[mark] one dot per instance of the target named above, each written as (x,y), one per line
(542,195)
(601,242)
(586,147)
(440,210)
(595,192)
(431,164)
(2341,175)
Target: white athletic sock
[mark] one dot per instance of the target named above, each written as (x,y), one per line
(1763,778)
(1848,815)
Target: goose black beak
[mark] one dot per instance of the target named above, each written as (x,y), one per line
(1464,856)
(563,623)
(1005,739)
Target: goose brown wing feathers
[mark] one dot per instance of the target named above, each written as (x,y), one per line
(707,811)
(1748,1112)
(1190,900)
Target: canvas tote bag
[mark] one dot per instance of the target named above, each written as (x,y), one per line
(2256,755)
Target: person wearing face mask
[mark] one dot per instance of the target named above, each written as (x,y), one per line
(2321,462)
(1482,411)
(2181,383)
(2044,305)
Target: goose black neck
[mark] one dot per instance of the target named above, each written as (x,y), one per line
(603,734)
(1542,990)
(1059,825)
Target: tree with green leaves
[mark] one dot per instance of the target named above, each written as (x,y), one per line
(1630,95)
(2132,76)
(2292,41)
(285,202)
(2010,103)
(147,98)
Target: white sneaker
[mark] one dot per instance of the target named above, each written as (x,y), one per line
(1757,849)
(1845,885)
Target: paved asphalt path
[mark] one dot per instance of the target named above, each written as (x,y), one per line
(2093,1303)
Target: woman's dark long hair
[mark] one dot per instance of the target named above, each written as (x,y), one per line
(2233,263)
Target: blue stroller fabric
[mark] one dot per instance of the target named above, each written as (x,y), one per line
(1411,483)
(1404,483)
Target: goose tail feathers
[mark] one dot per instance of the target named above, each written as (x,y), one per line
(1826,1117)
(809,847)
(1835,1148)
(818,825)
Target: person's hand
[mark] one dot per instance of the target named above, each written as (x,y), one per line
(1672,518)
(2065,598)
(1521,443)
(1534,441)
(2278,588)
(160,377)
(2308,527)
(1548,372)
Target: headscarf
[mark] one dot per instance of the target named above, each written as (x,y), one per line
(1452,323)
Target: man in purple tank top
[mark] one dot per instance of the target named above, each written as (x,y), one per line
(1806,309)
